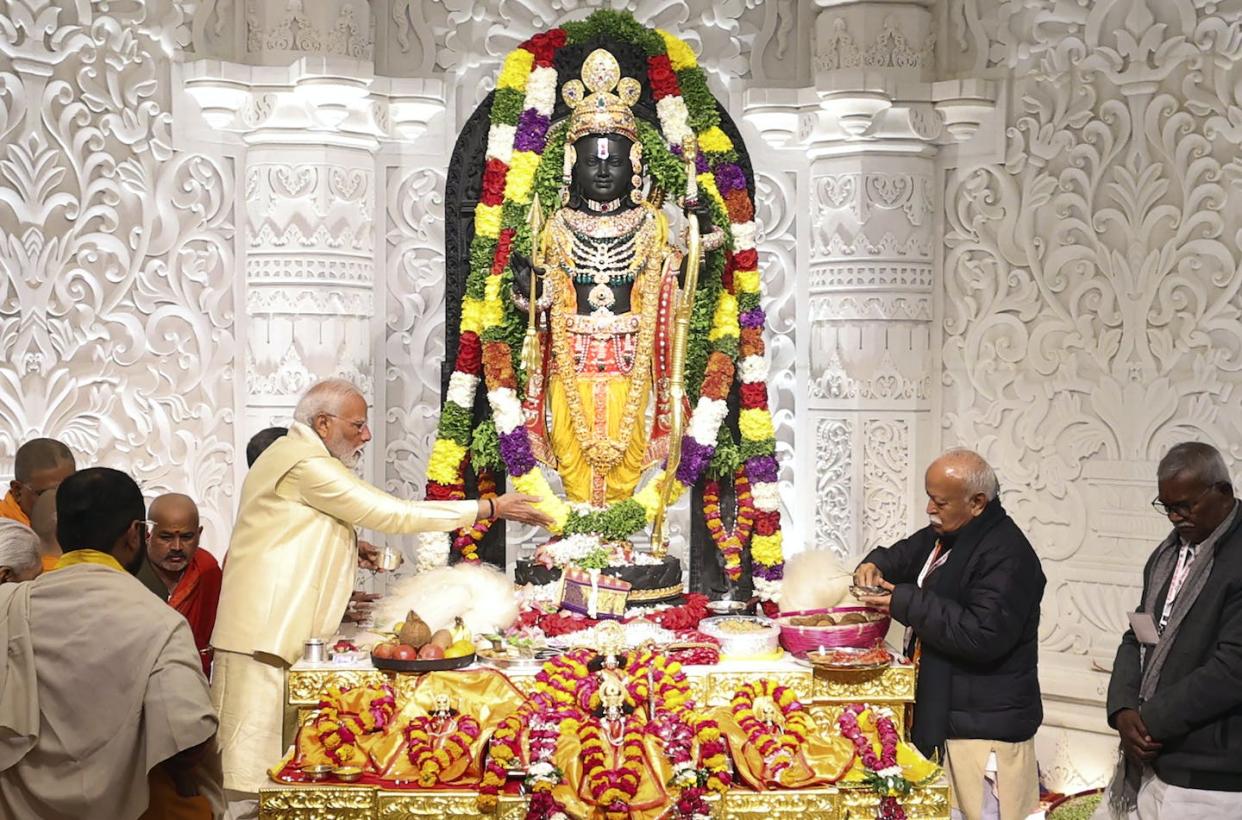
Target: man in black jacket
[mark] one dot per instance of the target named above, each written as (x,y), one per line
(968,587)
(1175,696)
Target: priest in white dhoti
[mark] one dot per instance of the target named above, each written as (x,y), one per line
(291,563)
(104,710)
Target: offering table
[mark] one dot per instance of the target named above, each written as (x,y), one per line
(824,693)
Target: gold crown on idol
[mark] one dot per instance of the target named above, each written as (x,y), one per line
(601,112)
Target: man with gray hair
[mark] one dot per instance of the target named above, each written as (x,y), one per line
(968,586)
(19,552)
(290,567)
(1175,695)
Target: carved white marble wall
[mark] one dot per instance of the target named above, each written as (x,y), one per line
(118,303)
(1090,302)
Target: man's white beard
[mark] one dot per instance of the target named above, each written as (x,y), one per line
(342,452)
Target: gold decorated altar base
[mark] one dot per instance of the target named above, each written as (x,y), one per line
(369,803)
(824,695)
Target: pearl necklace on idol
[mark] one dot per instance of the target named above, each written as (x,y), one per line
(606,251)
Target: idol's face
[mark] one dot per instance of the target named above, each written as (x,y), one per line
(602,167)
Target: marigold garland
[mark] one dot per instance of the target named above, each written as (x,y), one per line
(730,541)
(778,746)
(519,148)
(884,775)
(431,762)
(612,788)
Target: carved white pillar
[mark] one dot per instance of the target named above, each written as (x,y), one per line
(870,282)
(310,271)
(871,125)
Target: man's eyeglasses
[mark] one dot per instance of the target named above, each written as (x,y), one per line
(1182,508)
(358,426)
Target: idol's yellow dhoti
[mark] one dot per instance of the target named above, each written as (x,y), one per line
(602,429)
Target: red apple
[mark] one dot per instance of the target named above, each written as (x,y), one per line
(405,652)
(384,651)
(431,652)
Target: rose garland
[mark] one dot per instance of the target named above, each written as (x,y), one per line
(430,761)
(732,541)
(612,788)
(884,775)
(728,320)
(777,746)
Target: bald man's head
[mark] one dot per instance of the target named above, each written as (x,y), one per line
(40,465)
(174,534)
(959,486)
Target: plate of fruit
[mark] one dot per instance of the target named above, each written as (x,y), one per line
(415,648)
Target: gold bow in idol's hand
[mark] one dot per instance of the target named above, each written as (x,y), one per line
(681,333)
(530,344)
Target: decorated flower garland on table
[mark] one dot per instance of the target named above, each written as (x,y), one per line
(778,745)
(346,714)
(612,789)
(431,762)
(565,691)
(523,155)
(371,707)
(883,774)
(338,735)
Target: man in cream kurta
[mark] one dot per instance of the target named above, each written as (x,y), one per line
(290,567)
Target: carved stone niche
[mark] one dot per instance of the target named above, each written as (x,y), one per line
(275,28)
(876,35)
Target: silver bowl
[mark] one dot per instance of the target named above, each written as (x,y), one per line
(727,607)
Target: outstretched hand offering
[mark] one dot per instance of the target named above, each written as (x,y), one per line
(521,508)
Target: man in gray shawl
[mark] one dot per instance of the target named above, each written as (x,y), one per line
(1175,696)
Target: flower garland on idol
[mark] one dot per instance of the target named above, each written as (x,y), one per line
(884,774)
(777,745)
(732,541)
(524,155)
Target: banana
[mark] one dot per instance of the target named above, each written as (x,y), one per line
(460,631)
